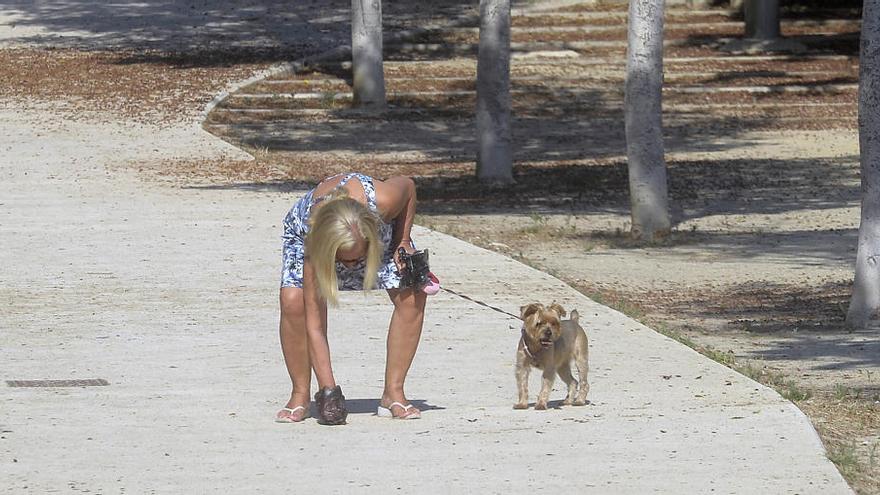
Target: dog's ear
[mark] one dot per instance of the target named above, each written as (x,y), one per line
(559,310)
(529,309)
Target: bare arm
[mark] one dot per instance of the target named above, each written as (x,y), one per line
(396,198)
(316,309)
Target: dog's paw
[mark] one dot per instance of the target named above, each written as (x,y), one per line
(540,406)
(521,405)
(567,402)
(580,402)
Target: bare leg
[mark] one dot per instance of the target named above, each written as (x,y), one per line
(295,347)
(404,333)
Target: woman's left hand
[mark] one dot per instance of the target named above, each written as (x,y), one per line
(407,246)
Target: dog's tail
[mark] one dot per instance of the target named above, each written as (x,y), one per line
(573,316)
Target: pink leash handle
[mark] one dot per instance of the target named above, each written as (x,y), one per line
(433,286)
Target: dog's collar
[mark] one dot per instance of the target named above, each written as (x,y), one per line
(533,357)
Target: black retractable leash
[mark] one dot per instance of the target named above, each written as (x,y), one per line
(493,308)
(416,273)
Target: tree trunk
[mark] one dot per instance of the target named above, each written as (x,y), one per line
(494,156)
(865,302)
(644,126)
(366,54)
(762,19)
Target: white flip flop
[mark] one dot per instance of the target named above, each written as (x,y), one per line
(287,417)
(385,412)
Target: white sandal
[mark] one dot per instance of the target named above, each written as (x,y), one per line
(385,412)
(287,418)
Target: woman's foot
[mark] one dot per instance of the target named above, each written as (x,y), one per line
(292,414)
(397,409)
(296,410)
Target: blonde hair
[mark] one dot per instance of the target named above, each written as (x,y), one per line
(335,225)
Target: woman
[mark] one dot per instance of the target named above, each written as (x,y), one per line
(345,234)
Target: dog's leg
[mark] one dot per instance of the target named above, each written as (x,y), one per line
(546,387)
(582,362)
(522,384)
(564,373)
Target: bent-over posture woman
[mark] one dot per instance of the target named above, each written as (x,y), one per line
(344,235)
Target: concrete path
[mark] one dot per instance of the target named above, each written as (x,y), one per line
(169,295)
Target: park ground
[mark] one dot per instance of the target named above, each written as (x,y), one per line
(764,186)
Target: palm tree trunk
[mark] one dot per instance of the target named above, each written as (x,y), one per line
(494,156)
(366,54)
(762,19)
(644,127)
(865,302)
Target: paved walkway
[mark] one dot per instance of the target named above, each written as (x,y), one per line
(170,296)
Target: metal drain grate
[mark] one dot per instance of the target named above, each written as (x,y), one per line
(92,382)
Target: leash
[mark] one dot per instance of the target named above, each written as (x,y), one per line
(522,337)
(481,303)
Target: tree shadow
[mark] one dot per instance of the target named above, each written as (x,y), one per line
(185,24)
(700,187)
(697,188)
(569,125)
(200,33)
(817,10)
(790,249)
(748,186)
(821,8)
(799,248)
(797,323)
(846,352)
(846,44)
(727,77)
(213,57)
(775,308)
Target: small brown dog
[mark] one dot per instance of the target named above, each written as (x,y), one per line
(550,343)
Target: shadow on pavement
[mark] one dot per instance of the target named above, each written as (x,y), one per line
(205,27)
(368,406)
